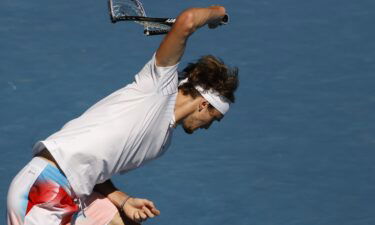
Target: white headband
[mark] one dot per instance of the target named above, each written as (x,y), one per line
(218,101)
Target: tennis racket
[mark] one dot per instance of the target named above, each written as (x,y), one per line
(132,10)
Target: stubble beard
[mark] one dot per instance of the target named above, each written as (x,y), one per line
(187,129)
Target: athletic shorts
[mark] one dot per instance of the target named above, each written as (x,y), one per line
(41,195)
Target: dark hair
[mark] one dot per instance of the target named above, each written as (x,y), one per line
(210,72)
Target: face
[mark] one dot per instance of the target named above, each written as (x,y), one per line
(203,117)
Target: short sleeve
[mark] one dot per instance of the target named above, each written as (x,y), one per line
(161,79)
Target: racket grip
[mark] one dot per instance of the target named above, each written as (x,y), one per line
(225,20)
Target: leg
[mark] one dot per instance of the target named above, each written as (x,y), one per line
(39,195)
(17,199)
(120,219)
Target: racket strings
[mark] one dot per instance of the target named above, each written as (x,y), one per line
(135,8)
(127,8)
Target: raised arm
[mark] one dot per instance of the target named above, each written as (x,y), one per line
(172,47)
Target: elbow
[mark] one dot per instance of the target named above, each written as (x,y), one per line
(186,22)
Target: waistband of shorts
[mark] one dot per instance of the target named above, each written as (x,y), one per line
(39,162)
(45,163)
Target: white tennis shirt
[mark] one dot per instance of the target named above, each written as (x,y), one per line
(121,132)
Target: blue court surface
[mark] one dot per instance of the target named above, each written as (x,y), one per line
(297,148)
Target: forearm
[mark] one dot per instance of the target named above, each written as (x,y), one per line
(203,16)
(193,18)
(108,189)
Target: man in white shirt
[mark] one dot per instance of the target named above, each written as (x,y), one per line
(122,132)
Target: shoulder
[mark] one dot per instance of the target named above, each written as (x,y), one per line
(157,78)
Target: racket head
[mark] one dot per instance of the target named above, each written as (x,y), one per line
(121,8)
(110,10)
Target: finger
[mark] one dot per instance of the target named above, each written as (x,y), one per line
(143,215)
(148,212)
(155,211)
(152,207)
(137,218)
(149,204)
(212,26)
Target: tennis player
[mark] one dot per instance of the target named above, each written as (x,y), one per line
(68,179)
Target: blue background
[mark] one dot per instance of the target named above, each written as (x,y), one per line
(296,148)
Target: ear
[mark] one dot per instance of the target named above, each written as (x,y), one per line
(203,104)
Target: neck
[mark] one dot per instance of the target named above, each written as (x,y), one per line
(185,105)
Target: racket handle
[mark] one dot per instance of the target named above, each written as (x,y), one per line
(225,20)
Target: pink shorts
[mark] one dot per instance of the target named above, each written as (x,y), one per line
(40,194)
